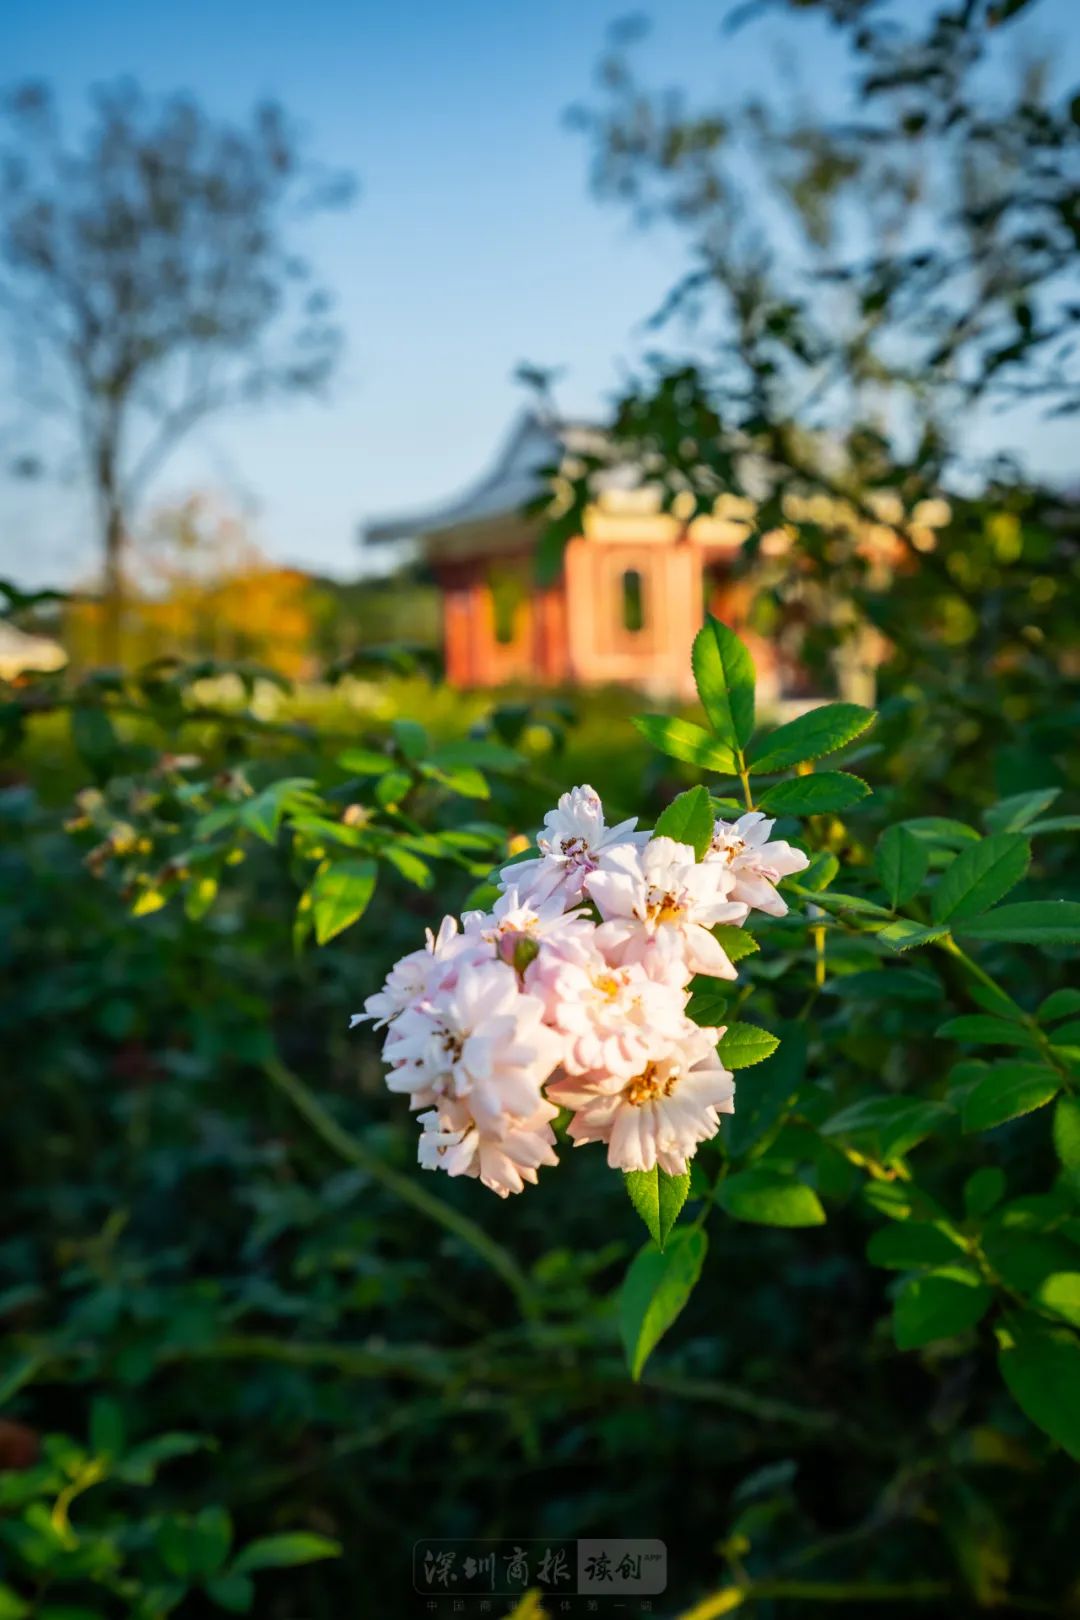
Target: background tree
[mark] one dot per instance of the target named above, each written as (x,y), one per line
(864,285)
(150,279)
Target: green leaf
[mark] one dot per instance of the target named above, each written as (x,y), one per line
(262,814)
(411,738)
(1059,1004)
(1029,922)
(464,780)
(12,1606)
(939,1306)
(708,1002)
(824,793)
(689,820)
(340,894)
(1067,1132)
(742,1045)
(1060,1293)
(769,1198)
(901,861)
(364,762)
(940,832)
(107,1428)
(1013,814)
(894,1124)
(658,1198)
(985,1030)
(282,1552)
(735,942)
(983,1190)
(809,736)
(683,740)
(905,935)
(979,877)
(1009,1090)
(765,1097)
(1041,1367)
(724,676)
(1053,824)
(477,751)
(94,738)
(233,1592)
(910,1246)
(655,1291)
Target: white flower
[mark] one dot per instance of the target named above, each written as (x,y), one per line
(755,862)
(575,842)
(504,1160)
(416,974)
(514,919)
(610,1017)
(659,1115)
(481,1038)
(660,902)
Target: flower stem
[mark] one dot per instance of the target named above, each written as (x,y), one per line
(348,1147)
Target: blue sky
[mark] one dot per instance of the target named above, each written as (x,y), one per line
(474,243)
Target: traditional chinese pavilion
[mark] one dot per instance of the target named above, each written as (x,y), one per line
(632,593)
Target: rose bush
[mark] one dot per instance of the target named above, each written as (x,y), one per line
(215,1223)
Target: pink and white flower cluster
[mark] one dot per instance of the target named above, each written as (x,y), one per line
(572,993)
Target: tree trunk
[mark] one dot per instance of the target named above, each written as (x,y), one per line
(112,594)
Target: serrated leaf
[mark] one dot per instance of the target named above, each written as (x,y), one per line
(1028,922)
(901,861)
(681,739)
(689,820)
(979,877)
(939,1305)
(1006,1092)
(742,1045)
(1041,1367)
(655,1291)
(658,1199)
(735,942)
(767,1197)
(809,736)
(824,793)
(724,676)
(340,894)
(906,935)
(1013,814)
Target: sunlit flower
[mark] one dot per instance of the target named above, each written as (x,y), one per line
(659,1115)
(504,1160)
(420,972)
(575,841)
(660,902)
(481,1038)
(756,863)
(610,1017)
(519,918)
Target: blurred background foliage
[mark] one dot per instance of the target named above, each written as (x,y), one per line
(250,1354)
